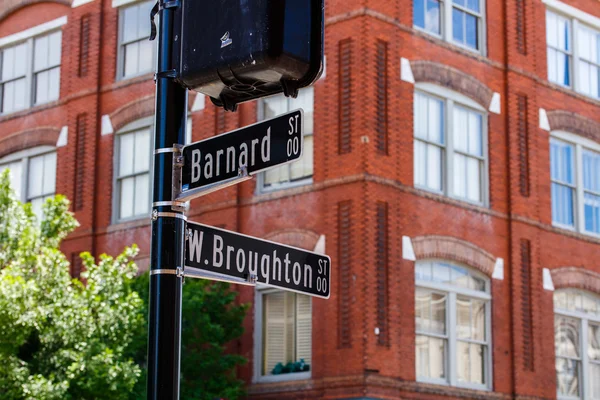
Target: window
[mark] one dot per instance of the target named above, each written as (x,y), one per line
(136,53)
(575,176)
(33,175)
(573,53)
(299,172)
(577,344)
(132,158)
(30,68)
(459,21)
(452,321)
(449,147)
(284,326)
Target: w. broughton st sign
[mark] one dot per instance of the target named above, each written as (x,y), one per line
(231,254)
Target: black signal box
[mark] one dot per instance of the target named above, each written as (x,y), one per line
(240,50)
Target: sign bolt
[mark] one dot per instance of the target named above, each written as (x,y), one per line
(188,234)
(154,215)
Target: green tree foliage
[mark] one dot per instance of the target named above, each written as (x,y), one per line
(210,320)
(60,338)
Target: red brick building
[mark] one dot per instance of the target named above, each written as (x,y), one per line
(452,173)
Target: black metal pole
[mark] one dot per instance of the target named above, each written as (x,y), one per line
(168,224)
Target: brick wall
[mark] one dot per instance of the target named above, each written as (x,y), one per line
(363,164)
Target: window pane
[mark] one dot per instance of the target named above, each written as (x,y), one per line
(423,271)
(434,167)
(560,299)
(430,357)
(566,337)
(594,379)
(40,55)
(15,175)
(564,34)
(471,31)
(473,179)
(130,23)
(463,317)
(591,171)
(594,342)
(478,320)
(430,312)
(551,29)
(126,154)
(475,146)
(303,329)
(590,305)
(562,204)
(41,87)
(20,91)
(435,118)
(49,184)
(126,201)
(54,84)
(441,272)
(8,97)
(461,129)
(143,21)
(433,17)
(470,363)
(142,194)
(55,50)
(274,106)
(305,101)
(419,13)
(458,29)
(459,276)
(460,175)
(142,151)
(473,5)
(131,59)
(35,177)
(567,377)
(146,61)
(420,155)
(561,160)
(592,213)
(37,206)
(420,116)
(8,63)
(303,167)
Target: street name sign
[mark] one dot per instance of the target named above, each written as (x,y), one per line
(230,156)
(224,253)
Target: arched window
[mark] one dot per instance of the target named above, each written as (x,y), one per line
(452,322)
(450,147)
(577,344)
(33,174)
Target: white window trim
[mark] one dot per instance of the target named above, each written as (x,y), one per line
(584,319)
(138,124)
(257,376)
(580,144)
(23,156)
(575,17)
(450,98)
(446,27)
(260,178)
(572,12)
(31,32)
(452,291)
(121,49)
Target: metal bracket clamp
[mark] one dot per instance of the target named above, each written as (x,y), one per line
(204,190)
(177,171)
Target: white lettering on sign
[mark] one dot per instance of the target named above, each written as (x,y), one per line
(208,165)
(196,246)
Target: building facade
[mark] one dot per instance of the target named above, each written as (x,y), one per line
(451,171)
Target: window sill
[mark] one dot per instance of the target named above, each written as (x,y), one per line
(294,376)
(458,200)
(479,54)
(141,221)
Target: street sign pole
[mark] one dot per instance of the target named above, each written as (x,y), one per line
(168,222)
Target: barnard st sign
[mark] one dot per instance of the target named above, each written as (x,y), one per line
(236,255)
(257,147)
